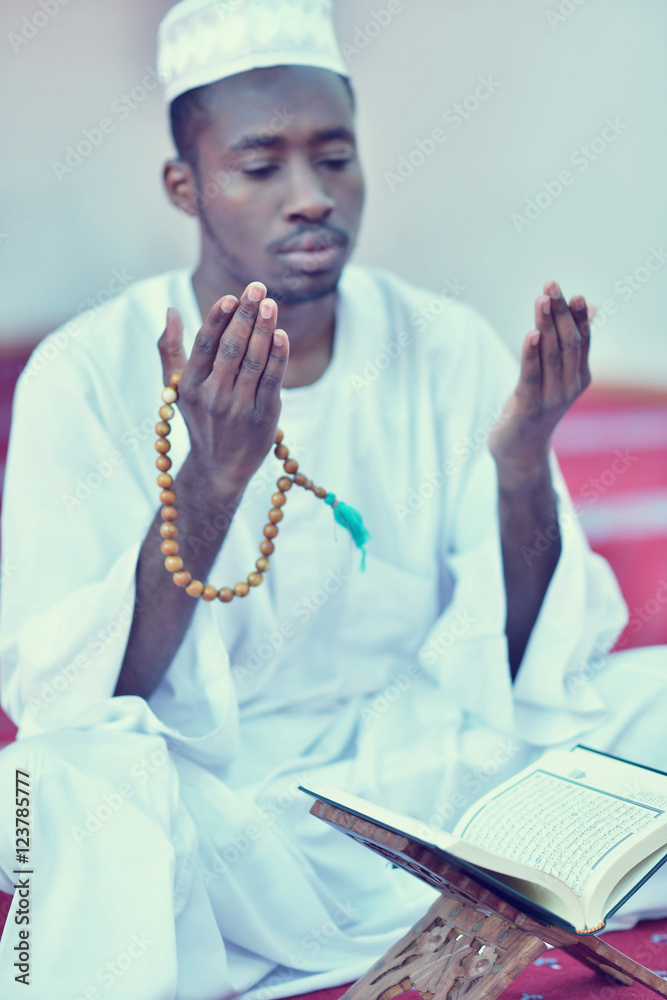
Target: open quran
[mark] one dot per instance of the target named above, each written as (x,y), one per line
(568,840)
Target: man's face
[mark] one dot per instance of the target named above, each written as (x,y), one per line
(280,189)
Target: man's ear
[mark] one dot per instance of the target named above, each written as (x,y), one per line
(181,184)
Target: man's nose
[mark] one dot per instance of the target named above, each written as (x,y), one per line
(306,197)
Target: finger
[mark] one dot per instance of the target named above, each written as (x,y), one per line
(233,344)
(257,352)
(569,339)
(550,356)
(529,388)
(170,346)
(583,316)
(271,380)
(207,341)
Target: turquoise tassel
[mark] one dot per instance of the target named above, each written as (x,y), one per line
(351,519)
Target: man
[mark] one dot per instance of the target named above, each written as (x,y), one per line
(165,736)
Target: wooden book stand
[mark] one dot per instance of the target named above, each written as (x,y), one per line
(471,943)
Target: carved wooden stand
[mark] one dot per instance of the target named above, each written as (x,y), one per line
(472,943)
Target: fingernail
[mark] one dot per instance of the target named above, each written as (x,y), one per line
(266,308)
(534,339)
(256,291)
(227,303)
(555,290)
(579,303)
(546,306)
(278,338)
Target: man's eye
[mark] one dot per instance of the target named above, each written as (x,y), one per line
(336,163)
(260,172)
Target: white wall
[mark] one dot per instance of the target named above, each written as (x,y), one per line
(559,78)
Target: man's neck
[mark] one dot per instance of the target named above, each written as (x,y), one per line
(309,325)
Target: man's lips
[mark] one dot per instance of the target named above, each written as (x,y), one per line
(312,242)
(313,252)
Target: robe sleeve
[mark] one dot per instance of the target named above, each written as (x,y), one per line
(75,513)
(552,699)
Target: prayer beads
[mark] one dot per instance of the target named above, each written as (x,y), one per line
(169,546)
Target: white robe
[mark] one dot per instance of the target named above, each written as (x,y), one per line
(171,832)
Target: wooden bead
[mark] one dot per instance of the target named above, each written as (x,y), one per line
(194,588)
(267,547)
(162,428)
(163,462)
(320,492)
(281,451)
(173,563)
(241,589)
(169,395)
(182,578)
(166,411)
(168,529)
(225,594)
(284,484)
(290,465)
(209,593)
(164,480)
(175,379)
(169,513)
(169,547)
(254,579)
(275,515)
(279,436)
(167,496)
(162,445)
(270,530)
(263,564)
(300,479)
(278,499)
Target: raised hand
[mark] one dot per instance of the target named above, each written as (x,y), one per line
(229,392)
(554,373)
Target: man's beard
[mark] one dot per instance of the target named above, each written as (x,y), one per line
(295,288)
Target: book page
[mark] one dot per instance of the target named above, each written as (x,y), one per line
(566,821)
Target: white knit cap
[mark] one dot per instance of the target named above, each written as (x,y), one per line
(201,41)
